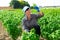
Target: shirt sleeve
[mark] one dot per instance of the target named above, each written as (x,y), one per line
(38,15)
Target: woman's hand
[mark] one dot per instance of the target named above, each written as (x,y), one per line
(41,14)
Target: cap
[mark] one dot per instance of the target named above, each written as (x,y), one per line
(25,8)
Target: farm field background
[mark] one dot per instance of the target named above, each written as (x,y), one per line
(49,23)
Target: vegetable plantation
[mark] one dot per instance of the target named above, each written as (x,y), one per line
(49,23)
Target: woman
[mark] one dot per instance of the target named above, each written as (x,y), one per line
(30,20)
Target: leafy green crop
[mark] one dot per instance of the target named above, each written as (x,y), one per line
(55,35)
(11,21)
(30,35)
(50,24)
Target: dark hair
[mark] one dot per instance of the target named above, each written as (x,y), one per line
(27,9)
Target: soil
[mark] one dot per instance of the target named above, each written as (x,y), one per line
(3,34)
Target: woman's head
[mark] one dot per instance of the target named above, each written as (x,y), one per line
(27,11)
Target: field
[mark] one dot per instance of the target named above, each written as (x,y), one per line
(49,23)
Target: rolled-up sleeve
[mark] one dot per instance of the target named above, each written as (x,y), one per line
(38,15)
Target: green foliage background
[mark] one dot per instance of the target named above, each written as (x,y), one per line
(50,23)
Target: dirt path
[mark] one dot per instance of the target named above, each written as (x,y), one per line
(3,33)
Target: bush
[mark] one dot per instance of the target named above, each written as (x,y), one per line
(17,4)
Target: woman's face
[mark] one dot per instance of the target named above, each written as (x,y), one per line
(28,12)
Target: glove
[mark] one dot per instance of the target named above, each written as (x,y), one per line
(37,8)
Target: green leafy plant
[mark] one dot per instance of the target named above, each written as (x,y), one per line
(30,35)
(12,23)
(50,23)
